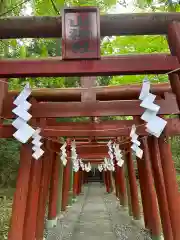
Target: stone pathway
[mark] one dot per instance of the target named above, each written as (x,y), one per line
(96,216)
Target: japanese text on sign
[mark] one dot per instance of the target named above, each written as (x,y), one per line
(80,34)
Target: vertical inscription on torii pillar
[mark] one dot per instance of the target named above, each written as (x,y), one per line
(81,33)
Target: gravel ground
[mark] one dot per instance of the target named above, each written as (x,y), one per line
(121,223)
(96,216)
(65,226)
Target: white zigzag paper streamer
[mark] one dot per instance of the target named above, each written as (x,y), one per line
(155,125)
(74,158)
(38,152)
(110,162)
(24,131)
(100,167)
(110,151)
(82,165)
(111,166)
(105,164)
(87,167)
(135,147)
(63,157)
(118,155)
(108,165)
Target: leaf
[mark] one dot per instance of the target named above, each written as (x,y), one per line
(23,51)
(13,43)
(44,51)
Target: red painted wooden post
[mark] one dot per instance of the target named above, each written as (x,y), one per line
(3,94)
(174,39)
(85,44)
(116,180)
(44,189)
(75,184)
(107,181)
(32,200)
(166,156)
(53,194)
(80,181)
(104,178)
(44,186)
(21,194)
(83,177)
(122,187)
(132,185)
(160,187)
(78,177)
(66,178)
(153,215)
(143,188)
(175,85)
(78,184)
(86,178)
(171,185)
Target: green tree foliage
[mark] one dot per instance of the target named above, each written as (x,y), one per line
(159,5)
(9,158)
(52,7)
(134,45)
(175,141)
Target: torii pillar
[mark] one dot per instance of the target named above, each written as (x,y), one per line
(60,186)
(165,150)
(21,194)
(152,214)
(66,178)
(132,185)
(160,187)
(171,185)
(70,200)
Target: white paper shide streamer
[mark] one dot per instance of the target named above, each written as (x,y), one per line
(155,125)
(82,165)
(100,167)
(118,155)
(110,150)
(38,152)
(74,157)
(63,154)
(134,139)
(104,164)
(87,167)
(108,165)
(24,131)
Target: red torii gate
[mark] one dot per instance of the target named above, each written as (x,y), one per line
(34,176)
